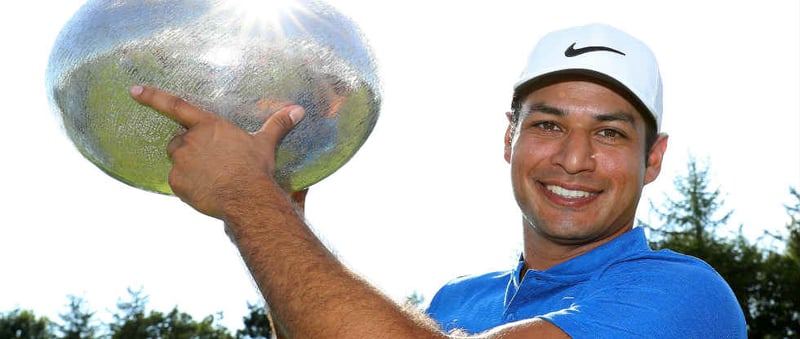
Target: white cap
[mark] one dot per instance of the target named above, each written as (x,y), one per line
(600,51)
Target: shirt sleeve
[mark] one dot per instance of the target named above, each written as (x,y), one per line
(654,302)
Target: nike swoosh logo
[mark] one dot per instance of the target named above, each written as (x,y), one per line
(572,51)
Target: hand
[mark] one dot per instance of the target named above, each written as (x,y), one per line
(214,158)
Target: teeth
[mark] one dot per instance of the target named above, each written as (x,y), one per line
(568,193)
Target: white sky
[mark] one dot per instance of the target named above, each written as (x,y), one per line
(428,197)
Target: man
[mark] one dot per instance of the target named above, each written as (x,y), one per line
(582,142)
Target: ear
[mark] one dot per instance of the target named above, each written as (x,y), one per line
(655,158)
(507,140)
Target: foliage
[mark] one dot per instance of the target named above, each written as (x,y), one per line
(764,281)
(133,322)
(776,299)
(415,300)
(77,322)
(256,324)
(25,324)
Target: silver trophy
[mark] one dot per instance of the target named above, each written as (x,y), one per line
(242,59)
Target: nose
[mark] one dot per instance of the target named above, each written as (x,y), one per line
(576,153)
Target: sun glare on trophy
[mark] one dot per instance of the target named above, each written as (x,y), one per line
(265,15)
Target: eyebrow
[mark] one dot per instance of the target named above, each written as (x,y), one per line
(612,116)
(616,116)
(546,109)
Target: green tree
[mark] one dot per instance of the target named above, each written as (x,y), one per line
(692,219)
(415,300)
(25,324)
(793,227)
(131,322)
(77,321)
(776,301)
(764,282)
(256,324)
(691,226)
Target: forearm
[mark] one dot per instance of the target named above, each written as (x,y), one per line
(311,294)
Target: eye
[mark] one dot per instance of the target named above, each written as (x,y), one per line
(611,134)
(547,126)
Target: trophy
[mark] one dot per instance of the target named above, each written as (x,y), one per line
(241,59)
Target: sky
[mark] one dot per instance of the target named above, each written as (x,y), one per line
(428,197)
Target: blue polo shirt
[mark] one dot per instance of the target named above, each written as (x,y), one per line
(622,289)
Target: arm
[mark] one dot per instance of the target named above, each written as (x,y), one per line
(225,172)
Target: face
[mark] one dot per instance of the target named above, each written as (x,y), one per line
(578,162)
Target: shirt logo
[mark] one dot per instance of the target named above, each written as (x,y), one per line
(572,51)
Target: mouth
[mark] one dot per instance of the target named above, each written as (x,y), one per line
(569,193)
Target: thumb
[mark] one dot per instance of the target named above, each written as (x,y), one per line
(280,123)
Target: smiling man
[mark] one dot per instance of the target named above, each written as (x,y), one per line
(582,142)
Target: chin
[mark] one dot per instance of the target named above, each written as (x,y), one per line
(570,234)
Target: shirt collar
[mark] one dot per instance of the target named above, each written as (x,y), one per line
(587,264)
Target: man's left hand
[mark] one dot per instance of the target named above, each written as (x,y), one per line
(214,157)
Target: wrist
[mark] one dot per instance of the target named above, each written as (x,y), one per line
(254,201)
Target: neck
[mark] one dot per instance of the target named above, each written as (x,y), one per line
(542,252)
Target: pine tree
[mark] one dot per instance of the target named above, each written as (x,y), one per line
(764,282)
(77,322)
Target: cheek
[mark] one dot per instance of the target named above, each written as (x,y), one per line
(529,161)
(520,157)
(626,169)
(526,149)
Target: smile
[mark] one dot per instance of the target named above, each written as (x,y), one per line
(569,194)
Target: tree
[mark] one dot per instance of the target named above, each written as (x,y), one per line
(776,301)
(256,324)
(690,220)
(415,300)
(764,282)
(77,322)
(24,324)
(793,239)
(690,225)
(131,322)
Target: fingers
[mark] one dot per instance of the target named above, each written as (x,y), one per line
(170,105)
(280,123)
(176,141)
(299,199)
